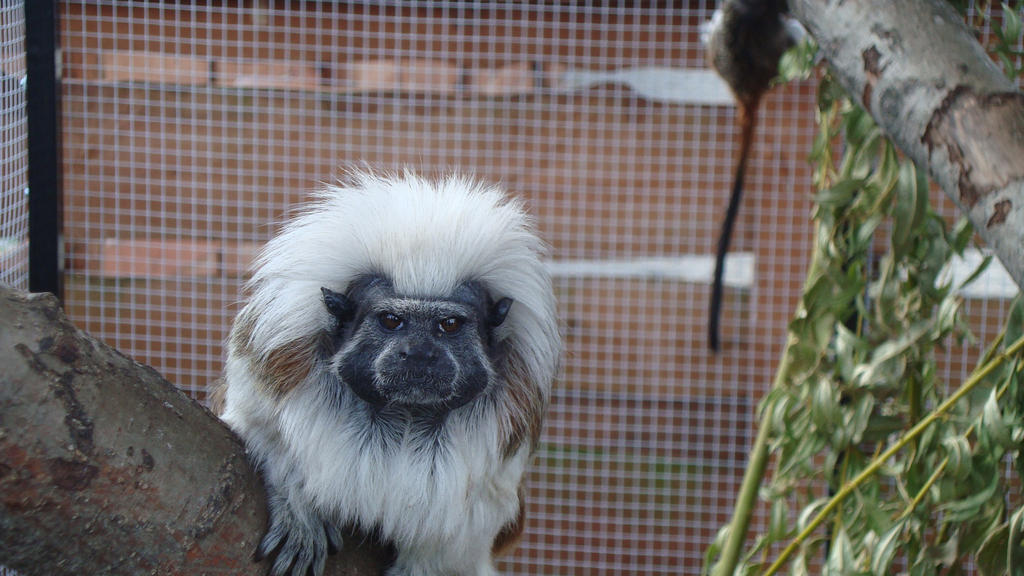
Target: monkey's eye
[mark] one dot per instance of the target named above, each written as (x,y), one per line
(390,321)
(450,325)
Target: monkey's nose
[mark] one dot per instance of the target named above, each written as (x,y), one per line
(418,352)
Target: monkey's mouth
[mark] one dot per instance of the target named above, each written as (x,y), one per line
(437,386)
(417,390)
(413,388)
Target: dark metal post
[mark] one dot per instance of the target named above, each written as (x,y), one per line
(42,99)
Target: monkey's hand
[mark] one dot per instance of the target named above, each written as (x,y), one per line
(301,538)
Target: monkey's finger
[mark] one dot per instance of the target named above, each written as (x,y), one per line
(304,563)
(271,541)
(307,558)
(286,559)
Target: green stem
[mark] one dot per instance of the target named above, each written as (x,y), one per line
(758,463)
(924,489)
(877,463)
(745,502)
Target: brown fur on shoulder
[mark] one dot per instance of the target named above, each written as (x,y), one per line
(526,411)
(512,532)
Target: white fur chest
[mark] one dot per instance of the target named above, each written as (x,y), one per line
(441,495)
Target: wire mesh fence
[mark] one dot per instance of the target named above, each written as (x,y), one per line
(13,147)
(190,131)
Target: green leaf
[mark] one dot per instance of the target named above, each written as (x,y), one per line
(810,511)
(945,319)
(818,296)
(850,351)
(881,426)
(866,231)
(922,204)
(1002,551)
(991,557)
(861,417)
(969,507)
(1015,544)
(858,126)
(1011,24)
(865,153)
(824,405)
(821,330)
(993,426)
(830,92)
(778,526)
(885,549)
(821,147)
(803,355)
(1009,66)
(799,567)
(1015,320)
(840,193)
(886,172)
(797,63)
(880,369)
(958,450)
(977,529)
(980,395)
(715,549)
(905,210)
(777,411)
(841,557)
(963,231)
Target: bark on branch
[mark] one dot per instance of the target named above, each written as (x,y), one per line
(915,66)
(106,468)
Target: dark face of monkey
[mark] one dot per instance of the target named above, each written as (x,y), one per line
(428,354)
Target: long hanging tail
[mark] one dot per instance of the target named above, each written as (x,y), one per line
(747,118)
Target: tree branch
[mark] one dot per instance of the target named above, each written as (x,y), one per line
(915,66)
(108,468)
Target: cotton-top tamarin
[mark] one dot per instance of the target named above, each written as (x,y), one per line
(745,40)
(391,369)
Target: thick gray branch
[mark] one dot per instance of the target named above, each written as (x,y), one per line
(930,85)
(106,468)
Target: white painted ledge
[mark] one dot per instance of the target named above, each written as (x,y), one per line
(692,268)
(994,283)
(740,268)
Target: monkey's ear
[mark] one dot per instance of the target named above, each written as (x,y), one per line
(498,312)
(338,305)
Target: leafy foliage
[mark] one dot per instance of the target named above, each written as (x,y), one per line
(878,468)
(1007,38)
